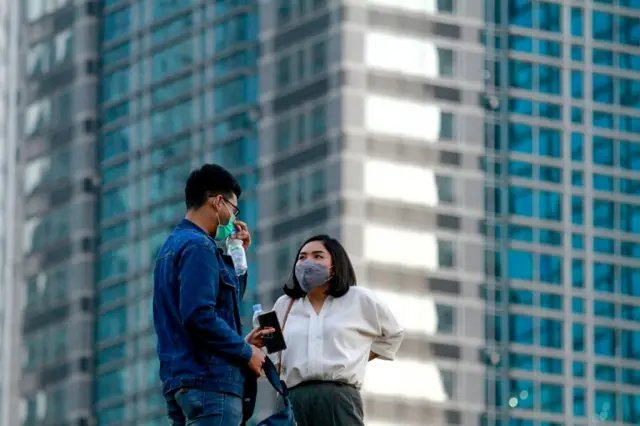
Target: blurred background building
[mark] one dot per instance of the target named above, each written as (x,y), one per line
(479,160)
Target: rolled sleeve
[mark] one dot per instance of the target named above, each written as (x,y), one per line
(386,345)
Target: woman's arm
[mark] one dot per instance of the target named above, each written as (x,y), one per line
(386,345)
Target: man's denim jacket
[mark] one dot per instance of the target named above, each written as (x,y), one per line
(196,314)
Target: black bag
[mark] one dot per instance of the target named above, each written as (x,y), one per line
(282,418)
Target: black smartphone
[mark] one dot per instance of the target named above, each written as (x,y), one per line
(274,342)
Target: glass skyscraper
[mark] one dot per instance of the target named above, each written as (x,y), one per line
(563,212)
(480,161)
(178,87)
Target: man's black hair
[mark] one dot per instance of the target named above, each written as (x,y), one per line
(343,274)
(209,180)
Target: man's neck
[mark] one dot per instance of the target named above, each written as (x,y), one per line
(196,219)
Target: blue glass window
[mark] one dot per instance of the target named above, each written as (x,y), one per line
(630,376)
(630,312)
(551,398)
(550,112)
(172,60)
(520,43)
(240,28)
(577,336)
(630,408)
(114,263)
(577,84)
(163,8)
(112,324)
(551,301)
(576,115)
(630,186)
(520,13)
(239,91)
(550,142)
(521,361)
(550,365)
(550,205)
(577,53)
(628,30)
(550,237)
(520,265)
(550,333)
(520,74)
(605,406)
(116,24)
(116,54)
(520,138)
(521,297)
(630,249)
(520,233)
(577,305)
(604,277)
(602,26)
(577,241)
(550,48)
(604,341)
(629,124)
(603,213)
(604,309)
(520,201)
(550,174)
(577,25)
(550,269)
(522,390)
(577,146)
(603,120)
(521,329)
(578,369)
(630,281)
(630,344)
(604,245)
(577,210)
(521,169)
(577,273)
(629,156)
(579,401)
(602,57)
(603,90)
(520,106)
(577,178)
(111,354)
(603,182)
(549,79)
(629,93)
(603,152)
(629,61)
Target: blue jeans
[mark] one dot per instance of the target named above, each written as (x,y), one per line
(195,407)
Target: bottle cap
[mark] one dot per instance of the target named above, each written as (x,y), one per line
(257,308)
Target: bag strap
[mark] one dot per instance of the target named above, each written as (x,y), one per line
(284,323)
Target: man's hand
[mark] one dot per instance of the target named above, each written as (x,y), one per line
(242,234)
(256,361)
(256,337)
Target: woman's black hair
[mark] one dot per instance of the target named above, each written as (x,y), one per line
(343,274)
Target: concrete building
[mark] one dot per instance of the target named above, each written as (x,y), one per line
(480,162)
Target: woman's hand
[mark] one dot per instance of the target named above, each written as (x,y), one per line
(256,337)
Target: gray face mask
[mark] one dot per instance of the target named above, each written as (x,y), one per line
(311,275)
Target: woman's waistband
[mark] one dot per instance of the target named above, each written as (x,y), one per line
(323,382)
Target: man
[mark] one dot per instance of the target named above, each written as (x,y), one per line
(203,357)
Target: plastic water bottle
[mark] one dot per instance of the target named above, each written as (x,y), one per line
(257,311)
(239,257)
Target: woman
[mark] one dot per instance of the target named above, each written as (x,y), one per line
(332,329)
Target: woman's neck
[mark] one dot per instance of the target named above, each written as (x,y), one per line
(318,295)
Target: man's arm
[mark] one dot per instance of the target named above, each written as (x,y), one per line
(199,285)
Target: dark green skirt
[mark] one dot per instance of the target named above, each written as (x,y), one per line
(327,404)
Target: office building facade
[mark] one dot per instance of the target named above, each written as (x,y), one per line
(479,160)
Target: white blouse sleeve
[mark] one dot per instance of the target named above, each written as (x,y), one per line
(391,333)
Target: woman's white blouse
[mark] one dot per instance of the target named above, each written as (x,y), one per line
(334,345)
